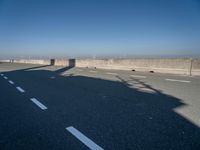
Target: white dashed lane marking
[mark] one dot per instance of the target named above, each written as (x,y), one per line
(1,74)
(11,82)
(138,76)
(6,78)
(174,80)
(34,100)
(20,89)
(111,73)
(89,143)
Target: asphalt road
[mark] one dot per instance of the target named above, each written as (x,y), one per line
(50,107)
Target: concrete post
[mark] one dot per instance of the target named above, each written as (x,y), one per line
(52,62)
(72,62)
(191,63)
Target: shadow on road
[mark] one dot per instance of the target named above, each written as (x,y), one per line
(37,67)
(110,112)
(64,69)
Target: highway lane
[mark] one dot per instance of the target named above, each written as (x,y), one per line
(185,88)
(108,110)
(38,89)
(25,126)
(187,91)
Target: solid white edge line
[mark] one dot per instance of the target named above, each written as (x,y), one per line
(111,73)
(174,80)
(39,104)
(11,82)
(89,143)
(20,89)
(6,78)
(93,71)
(138,76)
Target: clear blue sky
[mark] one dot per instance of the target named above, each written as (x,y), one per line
(55,28)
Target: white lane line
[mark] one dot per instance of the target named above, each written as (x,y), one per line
(93,71)
(138,76)
(34,100)
(20,89)
(1,74)
(112,73)
(89,143)
(11,82)
(174,80)
(6,78)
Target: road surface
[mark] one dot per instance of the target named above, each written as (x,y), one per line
(51,107)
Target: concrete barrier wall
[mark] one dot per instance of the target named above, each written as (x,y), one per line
(175,66)
(32,61)
(2,61)
(195,67)
(61,62)
(56,62)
